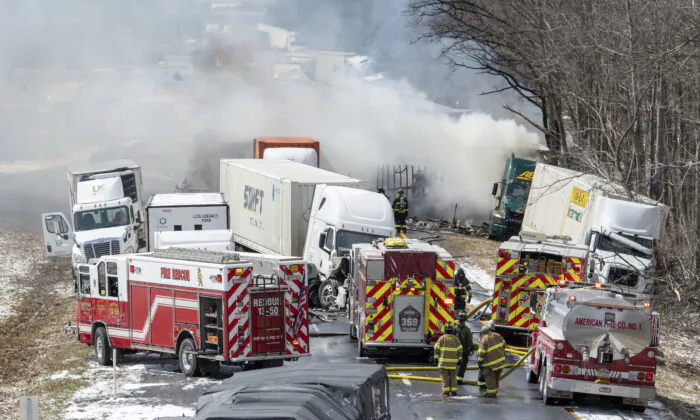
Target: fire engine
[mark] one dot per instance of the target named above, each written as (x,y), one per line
(206,307)
(593,341)
(401,293)
(527,265)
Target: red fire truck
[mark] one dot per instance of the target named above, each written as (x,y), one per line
(401,293)
(206,307)
(594,342)
(527,265)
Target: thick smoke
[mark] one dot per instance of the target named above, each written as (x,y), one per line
(82,82)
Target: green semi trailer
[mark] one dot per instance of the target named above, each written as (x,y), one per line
(511,194)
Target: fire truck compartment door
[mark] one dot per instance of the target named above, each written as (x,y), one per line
(267,322)
(58,234)
(409,319)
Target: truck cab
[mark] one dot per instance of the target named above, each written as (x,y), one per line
(511,195)
(106,213)
(340,217)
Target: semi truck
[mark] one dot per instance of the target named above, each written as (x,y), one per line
(298,149)
(619,231)
(401,295)
(205,307)
(511,198)
(185,212)
(106,201)
(593,342)
(288,208)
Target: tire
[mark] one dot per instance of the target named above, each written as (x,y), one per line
(530,376)
(189,364)
(327,293)
(102,349)
(544,389)
(639,408)
(361,352)
(314,301)
(353,334)
(208,367)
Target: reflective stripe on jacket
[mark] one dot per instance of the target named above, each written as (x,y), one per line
(448,351)
(492,351)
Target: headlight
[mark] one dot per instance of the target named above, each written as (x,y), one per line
(79,258)
(129,250)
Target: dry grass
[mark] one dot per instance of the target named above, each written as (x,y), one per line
(32,345)
(482,251)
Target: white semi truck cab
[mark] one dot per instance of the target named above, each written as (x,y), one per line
(106,213)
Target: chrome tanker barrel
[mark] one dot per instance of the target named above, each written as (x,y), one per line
(600,325)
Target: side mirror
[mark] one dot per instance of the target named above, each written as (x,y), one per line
(322,240)
(494,190)
(138,217)
(533,303)
(587,241)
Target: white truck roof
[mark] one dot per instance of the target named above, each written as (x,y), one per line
(186,199)
(291,171)
(101,166)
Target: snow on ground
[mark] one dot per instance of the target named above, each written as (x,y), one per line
(476,274)
(16,265)
(655,411)
(140,392)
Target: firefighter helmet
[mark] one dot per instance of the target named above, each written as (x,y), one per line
(449,328)
(461,316)
(380,189)
(400,191)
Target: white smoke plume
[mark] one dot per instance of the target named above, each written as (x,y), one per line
(45,44)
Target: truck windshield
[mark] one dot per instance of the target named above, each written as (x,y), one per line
(518,191)
(645,242)
(101,218)
(345,239)
(605,243)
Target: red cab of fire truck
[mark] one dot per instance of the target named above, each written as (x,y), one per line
(206,307)
(527,265)
(594,342)
(401,294)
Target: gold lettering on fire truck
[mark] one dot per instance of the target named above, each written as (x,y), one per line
(174,274)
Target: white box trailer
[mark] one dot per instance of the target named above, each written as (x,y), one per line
(185,212)
(270,201)
(620,231)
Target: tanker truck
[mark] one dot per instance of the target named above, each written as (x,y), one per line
(595,342)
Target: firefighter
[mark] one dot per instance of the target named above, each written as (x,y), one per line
(448,351)
(400,206)
(491,358)
(380,190)
(463,291)
(464,333)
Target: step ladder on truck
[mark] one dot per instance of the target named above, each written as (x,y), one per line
(527,265)
(397,299)
(205,307)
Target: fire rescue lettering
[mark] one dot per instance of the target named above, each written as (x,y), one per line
(597,323)
(252,197)
(174,274)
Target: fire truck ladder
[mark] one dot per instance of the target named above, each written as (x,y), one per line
(216,257)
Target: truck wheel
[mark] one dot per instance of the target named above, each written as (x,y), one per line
(208,367)
(361,352)
(314,301)
(353,334)
(328,292)
(544,389)
(530,376)
(189,364)
(102,350)
(638,408)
